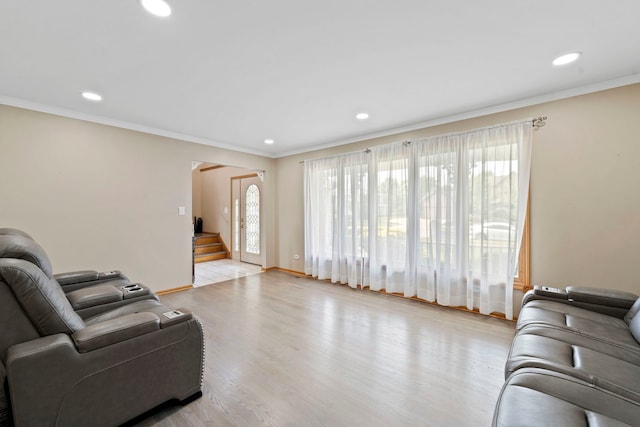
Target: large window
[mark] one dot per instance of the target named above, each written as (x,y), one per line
(439,218)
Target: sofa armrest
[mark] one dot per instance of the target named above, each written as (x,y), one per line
(71,277)
(94,295)
(51,383)
(545,293)
(73,280)
(606,297)
(96,299)
(170,318)
(115,330)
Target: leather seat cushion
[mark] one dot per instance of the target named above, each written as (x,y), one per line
(536,397)
(609,372)
(626,349)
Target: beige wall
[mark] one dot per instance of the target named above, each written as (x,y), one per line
(196,193)
(102,197)
(585,200)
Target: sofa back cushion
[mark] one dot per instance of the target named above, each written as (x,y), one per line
(40,297)
(21,247)
(4,405)
(634,326)
(635,308)
(15,232)
(15,325)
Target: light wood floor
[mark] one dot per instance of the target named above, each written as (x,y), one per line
(221,270)
(288,351)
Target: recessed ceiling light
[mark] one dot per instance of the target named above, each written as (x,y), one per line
(362,116)
(269,141)
(157,7)
(566,59)
(92,96)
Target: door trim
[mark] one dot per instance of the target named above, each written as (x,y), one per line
(231,222)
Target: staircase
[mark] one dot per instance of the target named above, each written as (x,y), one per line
(208,247)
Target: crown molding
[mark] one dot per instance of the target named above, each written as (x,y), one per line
(525,102)
(500,108)
(43,108)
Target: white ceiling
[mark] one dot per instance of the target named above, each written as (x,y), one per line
(232,73)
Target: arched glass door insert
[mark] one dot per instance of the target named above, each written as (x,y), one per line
(252,219)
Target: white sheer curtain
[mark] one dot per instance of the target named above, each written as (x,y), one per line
(438,218)
(389,196)
(336,206)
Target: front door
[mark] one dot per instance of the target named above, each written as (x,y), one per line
(246,197)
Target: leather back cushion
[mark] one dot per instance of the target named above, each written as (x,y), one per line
(4,405)
(40,297)
(634,326)
(635,308)
(15,232)
(21,247)
(15,325)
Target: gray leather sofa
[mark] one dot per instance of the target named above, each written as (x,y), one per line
(87,297)
(101,363)
(73,280)
(574,361)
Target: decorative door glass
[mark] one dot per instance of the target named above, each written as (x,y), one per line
(252,219)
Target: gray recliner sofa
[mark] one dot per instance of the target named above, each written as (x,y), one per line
(574,361)
(73,280)
(87,297)
(106,367)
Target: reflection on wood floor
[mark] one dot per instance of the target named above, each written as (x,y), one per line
(221,270)
(283,350)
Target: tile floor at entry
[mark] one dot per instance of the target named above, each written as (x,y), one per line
(222,270)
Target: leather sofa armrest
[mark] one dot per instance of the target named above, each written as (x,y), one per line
(606,297)
(72,277)
(97,297)
(172,317)
(81,279)
(94,295)
(545,293)
(115,330)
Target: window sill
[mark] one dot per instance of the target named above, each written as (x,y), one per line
(518,286)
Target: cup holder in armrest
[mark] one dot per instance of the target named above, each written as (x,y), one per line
(134,290)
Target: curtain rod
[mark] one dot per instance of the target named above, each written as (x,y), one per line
(537,123)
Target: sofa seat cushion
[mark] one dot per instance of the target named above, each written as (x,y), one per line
(604,370)
(537,397)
